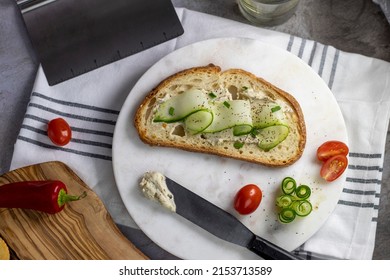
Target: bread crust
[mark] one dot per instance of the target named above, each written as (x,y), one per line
(149,131)
(4,251)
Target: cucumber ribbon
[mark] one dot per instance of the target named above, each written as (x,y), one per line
(202,113)
(294,201)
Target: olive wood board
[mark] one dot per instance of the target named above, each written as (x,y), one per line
(83,230)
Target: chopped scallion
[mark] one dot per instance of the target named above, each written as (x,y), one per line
(254,132)
(212,95)
(238,145)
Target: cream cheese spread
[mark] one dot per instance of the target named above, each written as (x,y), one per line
(230,107)
(154,187)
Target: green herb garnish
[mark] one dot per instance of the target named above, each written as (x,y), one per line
(254,132)
(171,111)
(238,145)
(212,95)
(276,108)
(227,104)
(244,88)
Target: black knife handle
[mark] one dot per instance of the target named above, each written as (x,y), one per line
(269,251)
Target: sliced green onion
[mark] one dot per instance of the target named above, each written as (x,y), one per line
(302,207)
(287,215)
(303,192)
(275,109)
(254,132)
(212,95)
(244,88)
(284,201)
(288,185)
(238,145)
(227,104)
(171,111)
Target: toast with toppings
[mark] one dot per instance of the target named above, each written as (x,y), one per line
(230,113)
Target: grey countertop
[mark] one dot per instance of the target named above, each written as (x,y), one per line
(356,26)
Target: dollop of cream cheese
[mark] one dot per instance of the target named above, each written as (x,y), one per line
(154,187)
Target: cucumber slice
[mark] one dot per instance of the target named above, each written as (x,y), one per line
(198,121)
(271,136)
(181,106)
(287,215)
(242,129)
(302,207)
(266,114)
(230,114)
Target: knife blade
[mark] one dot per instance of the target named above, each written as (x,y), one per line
(222,224)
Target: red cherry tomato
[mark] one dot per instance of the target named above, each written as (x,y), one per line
(59,131)
(334,167)
(330,149)
(247,199)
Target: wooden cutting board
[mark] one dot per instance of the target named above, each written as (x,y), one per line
(83,230)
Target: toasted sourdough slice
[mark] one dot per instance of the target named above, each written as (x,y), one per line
(223,87)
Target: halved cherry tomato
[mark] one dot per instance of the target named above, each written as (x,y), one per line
(330,149)
(334,167)
(59,131)
(247,199)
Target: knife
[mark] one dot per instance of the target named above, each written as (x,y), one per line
(222,224)
(28,5)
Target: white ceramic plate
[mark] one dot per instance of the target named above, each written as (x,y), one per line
(218,179)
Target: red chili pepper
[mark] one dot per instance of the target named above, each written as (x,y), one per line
(45,196)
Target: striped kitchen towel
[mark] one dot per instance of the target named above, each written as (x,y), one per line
(91,104)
